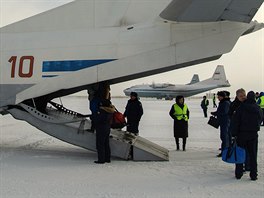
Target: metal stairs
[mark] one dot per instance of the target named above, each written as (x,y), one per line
(73,128)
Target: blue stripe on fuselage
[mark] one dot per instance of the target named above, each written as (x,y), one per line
(71,65)
(48,76)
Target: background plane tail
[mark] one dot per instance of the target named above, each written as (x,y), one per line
(195,79)
(218,78)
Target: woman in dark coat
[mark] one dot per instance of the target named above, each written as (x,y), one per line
(103,120)
(180,114)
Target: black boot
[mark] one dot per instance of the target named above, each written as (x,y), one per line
(219,155)
(99,162)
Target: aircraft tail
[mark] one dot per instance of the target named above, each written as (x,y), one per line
(195,79)
(218,78)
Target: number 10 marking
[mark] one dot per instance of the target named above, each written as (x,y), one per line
(29,60)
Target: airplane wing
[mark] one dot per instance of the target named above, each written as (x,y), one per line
(211,10)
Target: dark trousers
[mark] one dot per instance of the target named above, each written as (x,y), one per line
(247,162)
(177,140)
(225,135)
(225,139)
(132,127)
(102,144)
(251,146)
(214,104)
(205,112)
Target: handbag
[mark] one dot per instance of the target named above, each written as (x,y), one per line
(234,154)
(118,121)
(213,122)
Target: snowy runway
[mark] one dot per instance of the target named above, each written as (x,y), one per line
(36,165)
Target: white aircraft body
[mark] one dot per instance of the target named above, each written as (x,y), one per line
(170,91)
(83,43)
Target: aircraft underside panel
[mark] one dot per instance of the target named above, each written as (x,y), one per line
(9,91)
(72,128)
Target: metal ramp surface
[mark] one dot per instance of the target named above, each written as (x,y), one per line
(73,128)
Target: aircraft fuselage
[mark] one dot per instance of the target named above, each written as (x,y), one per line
(82,57)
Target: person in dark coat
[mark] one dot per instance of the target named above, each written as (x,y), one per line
(133,113)
(180,114)
(102,121)
(223,119)
(241,96)
(214,103)
(97,93)
(246,125)
(204,105)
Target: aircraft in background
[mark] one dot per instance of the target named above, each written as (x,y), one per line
(135,88)
(195,79)
(170,91)
(82,44)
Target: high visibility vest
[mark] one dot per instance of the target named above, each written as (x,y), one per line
(179,113)
(261,102)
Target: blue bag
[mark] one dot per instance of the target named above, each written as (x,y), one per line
(234,154)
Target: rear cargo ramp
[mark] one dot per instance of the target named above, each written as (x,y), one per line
(73,128)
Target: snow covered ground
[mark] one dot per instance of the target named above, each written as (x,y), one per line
(35,165)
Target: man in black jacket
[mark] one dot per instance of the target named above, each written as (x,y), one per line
(204,105)
(133,113)
(246,125)
(241,96)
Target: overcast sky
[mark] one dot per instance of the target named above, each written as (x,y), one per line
(244,65)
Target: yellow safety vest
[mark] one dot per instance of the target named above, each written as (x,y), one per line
(261,102)
(179,113)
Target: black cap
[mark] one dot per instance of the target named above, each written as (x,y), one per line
(178,98)
(221,93)
(134,94)
(251,95)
